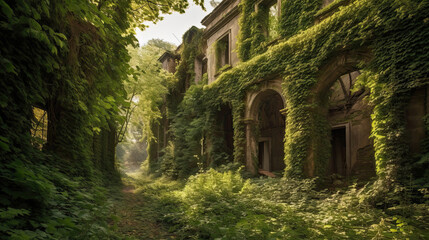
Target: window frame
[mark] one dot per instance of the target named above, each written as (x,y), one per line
(268,4)
(226,35)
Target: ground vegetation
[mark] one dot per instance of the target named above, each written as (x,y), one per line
(68,59)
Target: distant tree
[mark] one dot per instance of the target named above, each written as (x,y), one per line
(148,86)
(161,44)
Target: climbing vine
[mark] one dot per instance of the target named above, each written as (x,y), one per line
(299,59)
(68,58)
(390,39)
(295,16)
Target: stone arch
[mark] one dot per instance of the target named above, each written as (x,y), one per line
(265,128)
(338,66)
(347,120)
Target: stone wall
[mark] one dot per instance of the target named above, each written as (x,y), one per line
(232,28)
(169,64)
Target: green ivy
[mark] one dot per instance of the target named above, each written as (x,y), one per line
(70,59)
(389,37)
(389,29)
(297,16)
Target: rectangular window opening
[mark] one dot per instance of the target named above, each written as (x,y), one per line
(269,13)
(222,52)
(273,22)
(204,67)
(39,128)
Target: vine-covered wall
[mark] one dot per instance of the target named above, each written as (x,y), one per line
(370,25)
(58,56)
(387,40)
(295,16)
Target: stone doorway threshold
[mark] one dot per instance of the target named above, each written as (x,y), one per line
(266,173)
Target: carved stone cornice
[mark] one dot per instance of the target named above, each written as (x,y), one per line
(216,12)
(222,22)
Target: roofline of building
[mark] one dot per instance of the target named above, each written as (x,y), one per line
(167,54)
(219,24)
(219,8)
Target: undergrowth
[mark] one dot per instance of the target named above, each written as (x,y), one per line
(54,205)
(224,205)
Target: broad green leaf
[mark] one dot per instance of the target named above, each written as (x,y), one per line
(8,66)
(110,99)
(6,10)
(4,144)
(34,24)
(83,106)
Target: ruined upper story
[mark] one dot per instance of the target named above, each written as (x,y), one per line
(222,29)
(264,23)
(169,61)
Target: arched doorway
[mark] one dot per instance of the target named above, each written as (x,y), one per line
(349,116)
(265,131)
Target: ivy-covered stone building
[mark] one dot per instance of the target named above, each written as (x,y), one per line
(304,88)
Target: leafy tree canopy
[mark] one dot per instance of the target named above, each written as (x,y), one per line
(70,59)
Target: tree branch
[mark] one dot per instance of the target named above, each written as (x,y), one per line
(120,135)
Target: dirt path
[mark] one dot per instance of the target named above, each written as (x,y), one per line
(136,219)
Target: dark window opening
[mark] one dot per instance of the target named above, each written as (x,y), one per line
(222,51)
(271,124)
(204,66)
(223,134)
(338,163)
(228,129)
(342,94)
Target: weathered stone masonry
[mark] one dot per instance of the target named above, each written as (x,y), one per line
(345,108)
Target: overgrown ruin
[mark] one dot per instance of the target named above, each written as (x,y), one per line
(298,87)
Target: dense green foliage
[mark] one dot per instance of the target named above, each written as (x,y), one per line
(388,39)
(223,205)
(183,158)
(48,204)
(148,87)
(68,58)
(190,49)
(295,16)
(203,144)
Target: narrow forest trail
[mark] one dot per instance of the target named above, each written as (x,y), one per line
(137,220)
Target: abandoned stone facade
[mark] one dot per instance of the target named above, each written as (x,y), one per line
(345,107)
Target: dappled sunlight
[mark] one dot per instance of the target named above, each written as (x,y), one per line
(222,204)
(269,119)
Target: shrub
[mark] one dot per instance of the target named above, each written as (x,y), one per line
(224,205)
